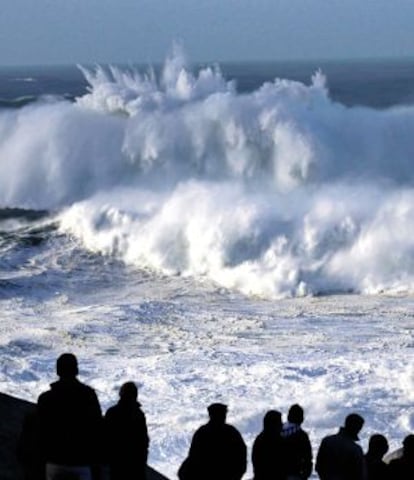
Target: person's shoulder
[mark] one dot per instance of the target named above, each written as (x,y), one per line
(260,438)
(330,440)
(44,396)
(111,411)
(84,394)
(201,434)
(139,412)
(233,431)
(300,434)
(303,437)
(86,389)
(231,428)
(201,430)
(84,386)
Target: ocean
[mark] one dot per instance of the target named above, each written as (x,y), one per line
(241,233)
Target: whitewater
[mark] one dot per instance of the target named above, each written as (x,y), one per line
(254,248)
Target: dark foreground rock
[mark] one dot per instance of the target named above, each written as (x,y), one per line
(12,412)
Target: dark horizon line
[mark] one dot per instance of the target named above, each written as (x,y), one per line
(372,59)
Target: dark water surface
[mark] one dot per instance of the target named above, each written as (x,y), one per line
(373,83)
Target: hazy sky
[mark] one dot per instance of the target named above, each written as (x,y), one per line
(88,31)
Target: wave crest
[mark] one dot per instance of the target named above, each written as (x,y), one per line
(280,191)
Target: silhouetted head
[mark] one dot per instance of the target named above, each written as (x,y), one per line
(217,412)
(295,414)
(408,447)
(128,392)
(378,445)
(272,421)
(67,366)
(353,425)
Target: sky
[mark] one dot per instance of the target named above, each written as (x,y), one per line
(38,32)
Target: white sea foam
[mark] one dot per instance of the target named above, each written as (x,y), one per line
(279,192)
(338,238)
(188,346)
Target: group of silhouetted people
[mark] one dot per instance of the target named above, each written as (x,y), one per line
(67,438)
(282,451)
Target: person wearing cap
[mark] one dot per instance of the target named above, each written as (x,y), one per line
(126,436)
(217,450)
(339,456)
(70,424)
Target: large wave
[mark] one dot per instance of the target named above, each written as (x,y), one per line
(276,192)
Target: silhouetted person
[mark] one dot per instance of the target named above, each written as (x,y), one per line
(70,424)
(298,449)
(217,450)
(126,436)
(377,469)
(28,448)
(268,456)
(339,457)
(403,468)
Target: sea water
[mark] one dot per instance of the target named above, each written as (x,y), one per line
(239,233)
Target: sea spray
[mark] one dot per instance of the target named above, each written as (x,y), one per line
(277,192)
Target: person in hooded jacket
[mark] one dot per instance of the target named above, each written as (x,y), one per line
(268,456)
(70,424)
(298,449)
(126,436)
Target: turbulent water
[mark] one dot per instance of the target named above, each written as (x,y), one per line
(247,239)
